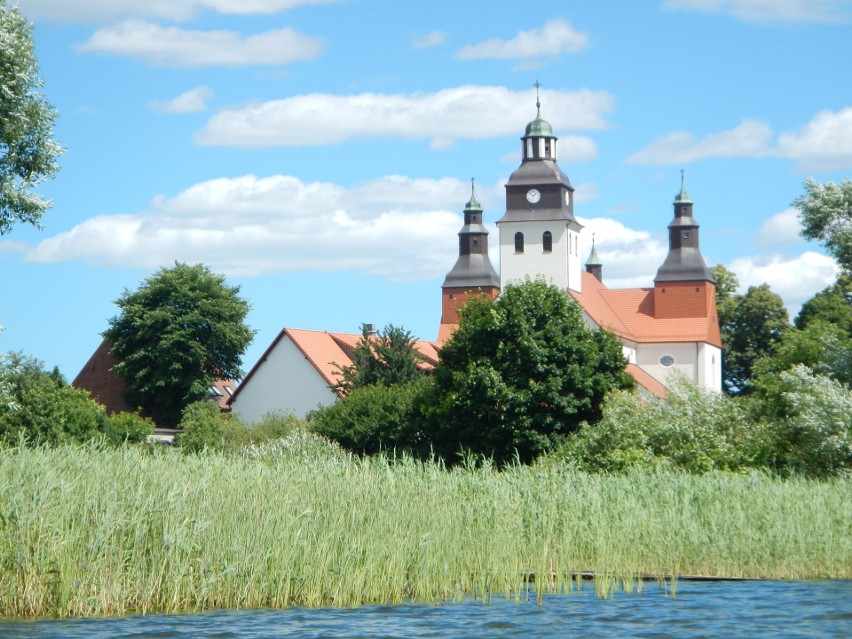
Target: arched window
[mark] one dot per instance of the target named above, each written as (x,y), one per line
(547,241)
(519,242)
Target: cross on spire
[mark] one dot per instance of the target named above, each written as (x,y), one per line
(537,85)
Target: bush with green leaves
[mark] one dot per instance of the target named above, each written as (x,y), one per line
(130,428)
(815,438)
(205,427)
(690,429)
(374,418)
(40,407)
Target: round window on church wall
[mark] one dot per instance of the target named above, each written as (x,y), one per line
(666,360)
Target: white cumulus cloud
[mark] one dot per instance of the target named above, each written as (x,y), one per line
(823,144)
(554,38)
(191,101)
(466,112)
(771,10)
(630,257)
(779,230)
(796,278)
(749,139)
(396,227)
(176,47)
(105,11)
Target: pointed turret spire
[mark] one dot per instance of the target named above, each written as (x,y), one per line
(472,274)
(594,264)
(684,262)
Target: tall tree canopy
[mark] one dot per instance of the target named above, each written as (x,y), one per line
(178,332)
(755,324)
(28,152)
(825,211)
(520,373)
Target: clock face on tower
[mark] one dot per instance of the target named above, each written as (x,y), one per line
(533,196)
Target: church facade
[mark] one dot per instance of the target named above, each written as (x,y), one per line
(670,327)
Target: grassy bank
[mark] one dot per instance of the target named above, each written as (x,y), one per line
(88,532)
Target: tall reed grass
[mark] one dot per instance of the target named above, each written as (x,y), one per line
(93,532)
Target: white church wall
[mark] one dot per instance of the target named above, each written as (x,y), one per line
(286,381)
(534,262)
(653,359)
(710,367)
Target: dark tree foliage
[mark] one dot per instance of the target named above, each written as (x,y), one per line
(28,152)
(832,305)
(756,324)
(521,373)
(825,211)
(374,418)
(388,358)
(179,331)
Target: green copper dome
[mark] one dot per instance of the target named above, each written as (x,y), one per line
(683,196)
(473,204)
(539,128)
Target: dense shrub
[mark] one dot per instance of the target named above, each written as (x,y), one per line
(815,438)
(40,407)
(374,418)
(130,428)
(690,429)
(204,426)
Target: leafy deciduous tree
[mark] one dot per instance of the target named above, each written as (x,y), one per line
(28,152)
(520,373)
(825,211)
(754,326)
(182,329)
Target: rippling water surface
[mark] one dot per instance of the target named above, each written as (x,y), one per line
(774,609)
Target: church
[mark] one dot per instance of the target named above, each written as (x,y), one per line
(672,326)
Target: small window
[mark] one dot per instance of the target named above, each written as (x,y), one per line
(476,243)
(547,241)
(519,242)
(666,360)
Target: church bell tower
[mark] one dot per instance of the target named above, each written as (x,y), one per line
(684,286)
(472,275)
(539,235)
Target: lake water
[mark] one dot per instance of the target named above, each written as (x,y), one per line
(813,609)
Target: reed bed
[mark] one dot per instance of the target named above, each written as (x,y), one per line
(95,532)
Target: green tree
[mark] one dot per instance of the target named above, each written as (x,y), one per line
(815,438)
(179,331)
(28,153)
(388,358)
(727,285)
(521,373)
(832,305)
(825,211)
(755,325)
(40,407)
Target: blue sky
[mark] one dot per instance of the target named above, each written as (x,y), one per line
(318,153)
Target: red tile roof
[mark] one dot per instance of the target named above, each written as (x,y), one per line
(327,352)
(646,381)
(629,313)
